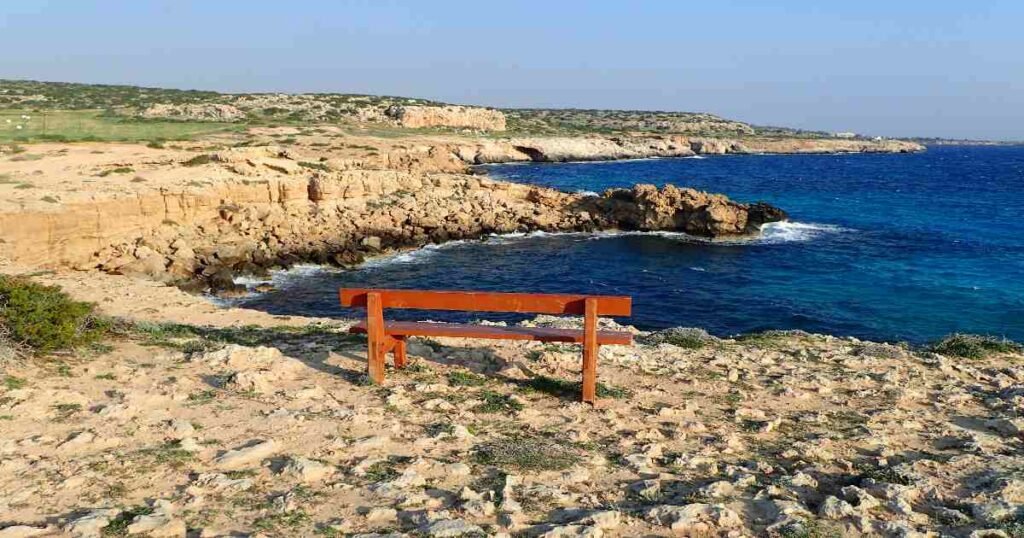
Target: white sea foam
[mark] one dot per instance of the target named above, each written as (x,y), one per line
(789,231)
(771,233)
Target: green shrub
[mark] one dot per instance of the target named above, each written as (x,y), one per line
(44,318)
(684,337)
(973,346)
(198,160)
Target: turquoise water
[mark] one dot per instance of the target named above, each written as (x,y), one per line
(886,247)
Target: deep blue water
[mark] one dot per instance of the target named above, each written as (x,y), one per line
(886,247)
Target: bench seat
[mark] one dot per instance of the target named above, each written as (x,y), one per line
(460,330)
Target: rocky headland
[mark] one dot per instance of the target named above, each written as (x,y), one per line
(203,219)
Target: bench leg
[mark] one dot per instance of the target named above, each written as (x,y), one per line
(375,337)
(400,358)
(590,348)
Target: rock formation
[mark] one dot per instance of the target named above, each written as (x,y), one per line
(194,112)
(262,208)
(602,148)
(484,119)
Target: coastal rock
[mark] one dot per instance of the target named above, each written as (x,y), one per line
(647,208)
(484,119)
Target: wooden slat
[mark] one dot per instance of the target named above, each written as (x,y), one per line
(459,330)
(377,334)
(590,352)
(475,301)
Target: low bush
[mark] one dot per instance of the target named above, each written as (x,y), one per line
(43,319)
(973,346)
(684,337)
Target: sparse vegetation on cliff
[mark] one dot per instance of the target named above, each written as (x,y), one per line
(973,346)
(43,319)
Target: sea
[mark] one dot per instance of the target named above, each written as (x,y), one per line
(886,247)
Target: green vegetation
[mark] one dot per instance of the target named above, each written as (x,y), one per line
(198,160)
(13,383)
(118,170)
(169,453)
(314,166)
(973,346)
(496,402)
(466,379)
(564,388)
(96,125)
(382,471)
(44,319)
(68,111)
(528,453)
(119,525)
(192,338)
(684,337)
(289,520)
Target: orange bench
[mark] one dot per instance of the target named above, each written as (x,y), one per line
(390,336)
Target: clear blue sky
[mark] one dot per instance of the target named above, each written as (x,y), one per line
(899,68)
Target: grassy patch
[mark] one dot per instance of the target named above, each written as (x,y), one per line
(14,383)
(466,379)
(382,471)
(314,166)
(66,410)
(684,337)
(95,125)
(193,338)
(119,525)
(118,170)
(766,339)
(169,453)
(973,346)
(528,453)
(45,319)
(289,520)
(564,388)
(496,402)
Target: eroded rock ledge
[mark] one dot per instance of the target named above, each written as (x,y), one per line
(265,211)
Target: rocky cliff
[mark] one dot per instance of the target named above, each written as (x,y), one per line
(483,119)
(260,208)
(597,148)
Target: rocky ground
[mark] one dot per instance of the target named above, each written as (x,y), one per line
(272,430)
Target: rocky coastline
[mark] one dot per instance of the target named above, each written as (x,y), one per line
(248,210)
(605,148)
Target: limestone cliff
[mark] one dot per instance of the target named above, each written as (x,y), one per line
(260,208)
(483,119)
(597,148)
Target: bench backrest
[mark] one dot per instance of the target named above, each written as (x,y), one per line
(478,301)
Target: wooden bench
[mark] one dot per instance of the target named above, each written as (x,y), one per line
(385,336)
